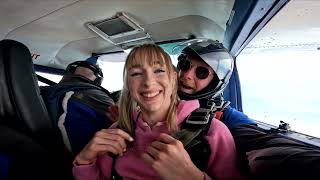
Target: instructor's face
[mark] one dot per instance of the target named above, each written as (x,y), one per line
(189,82)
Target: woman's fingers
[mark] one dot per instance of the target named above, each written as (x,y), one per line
(162,147)
(109,148)
(90,153)
(148,158)
(102,144)
(107,138)
(154,153)
(159,145)
(117,139)
(166,138)
(113,137)
(119,132)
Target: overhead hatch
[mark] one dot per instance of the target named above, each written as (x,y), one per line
(120,30)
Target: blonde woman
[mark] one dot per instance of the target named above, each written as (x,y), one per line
(149,113)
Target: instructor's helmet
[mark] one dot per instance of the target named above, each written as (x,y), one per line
(216,56)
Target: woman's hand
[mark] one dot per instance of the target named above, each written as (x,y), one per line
(170,160)
(104,141)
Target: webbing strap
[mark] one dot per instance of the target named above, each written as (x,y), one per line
(186,136)
(197,123)
(192,136)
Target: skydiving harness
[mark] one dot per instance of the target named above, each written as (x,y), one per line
(194,129)
(192,134)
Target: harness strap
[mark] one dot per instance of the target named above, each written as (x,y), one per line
(195,128)
(196,123)
(114,173)
(192,135)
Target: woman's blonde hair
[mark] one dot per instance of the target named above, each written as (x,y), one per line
(152,54)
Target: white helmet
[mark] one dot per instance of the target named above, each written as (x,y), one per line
(216,56)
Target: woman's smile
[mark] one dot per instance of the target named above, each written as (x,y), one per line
(150,94)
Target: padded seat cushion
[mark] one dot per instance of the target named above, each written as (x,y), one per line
(21,106)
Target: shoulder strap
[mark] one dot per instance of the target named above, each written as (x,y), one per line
(192,135)
(197,123)
(114,173)
(194,129)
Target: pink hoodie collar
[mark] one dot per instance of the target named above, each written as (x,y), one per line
(185,108)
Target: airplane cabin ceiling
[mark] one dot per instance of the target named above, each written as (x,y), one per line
(55,32)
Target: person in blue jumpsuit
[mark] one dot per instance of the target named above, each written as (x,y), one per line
(81,104)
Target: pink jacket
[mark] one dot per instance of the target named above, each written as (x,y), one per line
(222,164)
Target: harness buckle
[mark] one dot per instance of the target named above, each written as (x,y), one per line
(200,116)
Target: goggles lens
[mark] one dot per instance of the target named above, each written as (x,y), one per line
(184,65)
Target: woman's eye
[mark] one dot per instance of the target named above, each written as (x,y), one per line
(135,74)
(159,71)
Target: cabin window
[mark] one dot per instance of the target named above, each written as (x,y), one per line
(112,73)
(282,85)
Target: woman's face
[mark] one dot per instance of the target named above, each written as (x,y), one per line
(150,86)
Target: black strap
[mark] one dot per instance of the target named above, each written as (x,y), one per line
(45,80)
(192,135)
(198,122)
(114,173)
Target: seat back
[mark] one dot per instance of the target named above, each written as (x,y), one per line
(21,106)
(28,138)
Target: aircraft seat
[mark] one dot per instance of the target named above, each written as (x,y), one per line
(26,131)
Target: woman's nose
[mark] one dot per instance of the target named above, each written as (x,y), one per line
(149,79)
